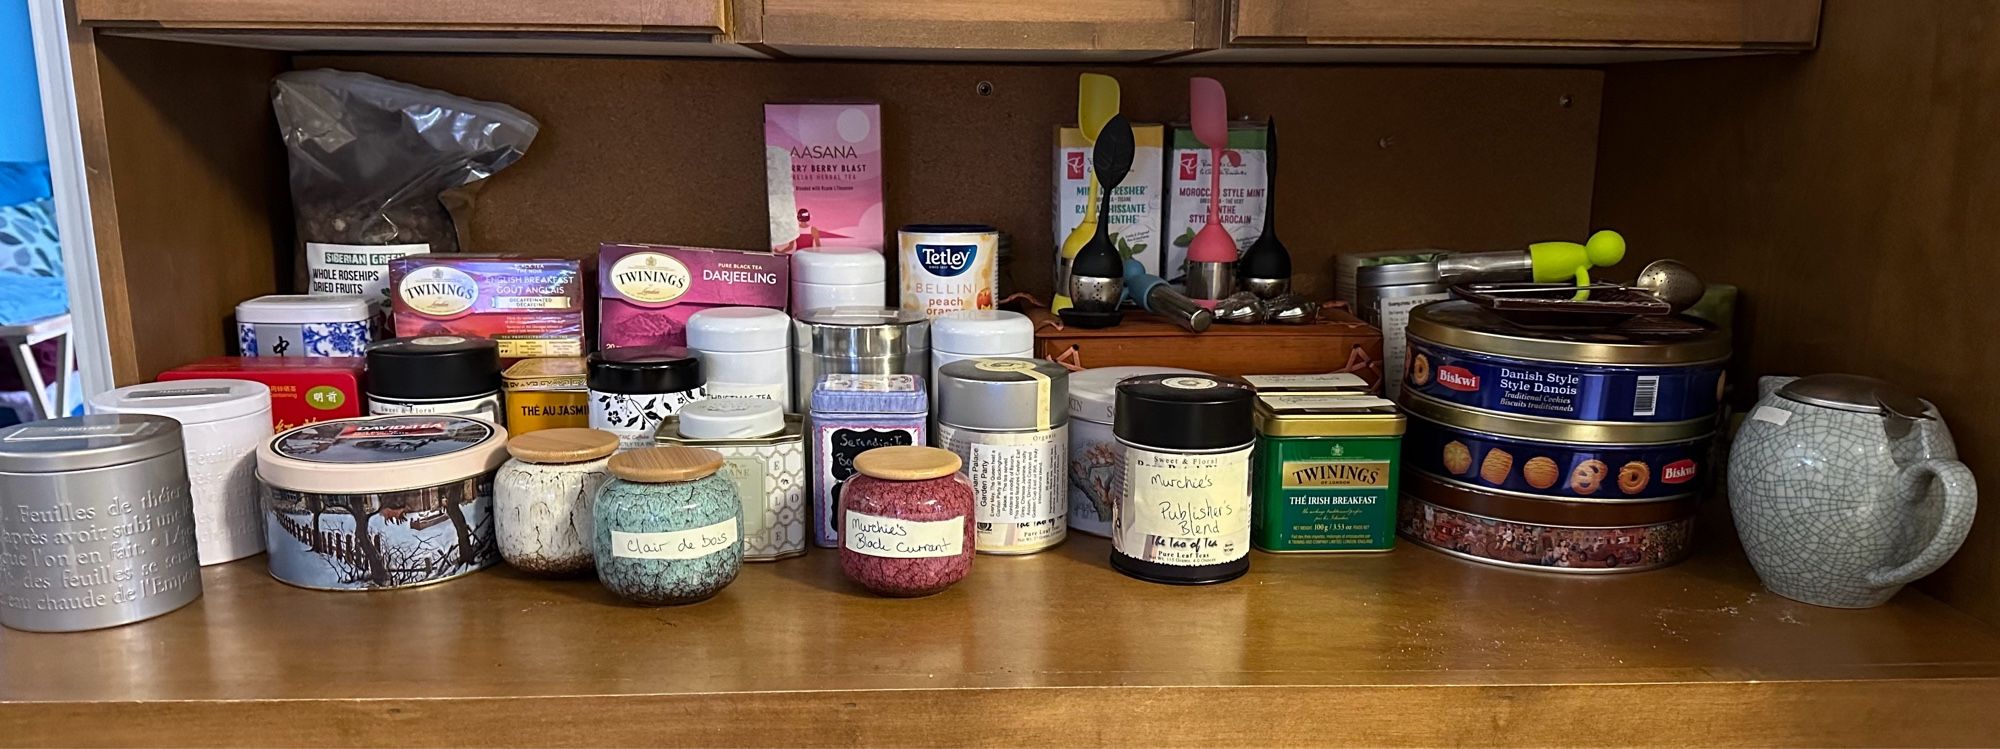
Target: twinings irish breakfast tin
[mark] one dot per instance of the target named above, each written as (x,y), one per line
(1325,472)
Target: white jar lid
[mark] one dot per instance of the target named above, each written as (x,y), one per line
(839,266)
(983,332)
(187,401)
(303,308)
(373,455)
(731,417)
(1093,393)
(739,329)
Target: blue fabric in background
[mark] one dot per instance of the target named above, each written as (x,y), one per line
(21,137)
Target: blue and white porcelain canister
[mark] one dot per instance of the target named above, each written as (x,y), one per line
(303,325)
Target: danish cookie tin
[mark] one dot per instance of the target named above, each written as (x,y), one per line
(1555,459)
(1542,534)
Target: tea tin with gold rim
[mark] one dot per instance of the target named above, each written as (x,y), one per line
(1650,370)
(1325,473)
(545,393)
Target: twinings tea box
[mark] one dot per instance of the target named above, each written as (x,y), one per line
(304,390)
(530,306)
(823,175)
(1243,185)
(1137,204)
(1325,474)
(647,292)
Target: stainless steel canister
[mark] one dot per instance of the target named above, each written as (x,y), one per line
(1008,419)
(97,527)
(856,340)
(1385,294)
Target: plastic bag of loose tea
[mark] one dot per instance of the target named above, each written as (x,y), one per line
(382,169)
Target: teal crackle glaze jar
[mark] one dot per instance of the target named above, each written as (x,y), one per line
(669,528)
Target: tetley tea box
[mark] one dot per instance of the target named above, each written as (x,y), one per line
(647,292)
(823,175)
(1136,204)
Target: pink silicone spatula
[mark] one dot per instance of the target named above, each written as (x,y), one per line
(1212,253)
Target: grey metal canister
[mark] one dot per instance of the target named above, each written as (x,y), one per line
(856,340)
(96,523)
(1008,420)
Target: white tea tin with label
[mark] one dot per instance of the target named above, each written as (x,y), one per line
(222,424)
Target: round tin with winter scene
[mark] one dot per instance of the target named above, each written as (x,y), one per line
(382,502)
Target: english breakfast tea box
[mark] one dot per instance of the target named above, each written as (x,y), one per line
(1243,188)
(1136,204)
(531,306)
(823,175)
(647,292)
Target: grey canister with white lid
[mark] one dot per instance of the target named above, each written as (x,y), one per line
(98,526)
(856,340)
(1008,419)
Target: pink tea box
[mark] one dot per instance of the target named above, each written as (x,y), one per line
(647,292)
(823,175)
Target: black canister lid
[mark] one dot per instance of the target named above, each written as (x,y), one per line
(637,370)
(433,366)
(1184,412)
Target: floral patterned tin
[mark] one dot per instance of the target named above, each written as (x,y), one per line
(1541,534)
(303,325)
(1557,459)
(1650,370)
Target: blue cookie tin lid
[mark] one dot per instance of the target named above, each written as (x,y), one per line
(900,394)
(1669,340)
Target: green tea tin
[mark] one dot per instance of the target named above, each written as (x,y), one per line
(1325,473)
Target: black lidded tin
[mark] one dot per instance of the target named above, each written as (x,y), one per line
(643,370)
(1182,514)
(435,374)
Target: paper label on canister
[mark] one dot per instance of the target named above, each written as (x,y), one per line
(1183,509)
(482,407)
(1392,315)
(896,538)
(775,392)
(1017,484)
(693,543)
(355,269)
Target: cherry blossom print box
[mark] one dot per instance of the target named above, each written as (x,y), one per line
(531,306)
(649,291)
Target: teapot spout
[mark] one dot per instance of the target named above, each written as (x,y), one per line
(1769,384)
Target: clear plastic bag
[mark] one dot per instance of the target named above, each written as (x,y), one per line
(376,162)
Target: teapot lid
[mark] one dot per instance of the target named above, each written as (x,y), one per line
(1855,393)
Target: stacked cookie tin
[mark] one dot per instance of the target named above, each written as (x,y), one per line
(1573,450)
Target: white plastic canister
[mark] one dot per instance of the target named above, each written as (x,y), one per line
(744,351)
(829,277)
(222,424)
(1095,458)
(974,334)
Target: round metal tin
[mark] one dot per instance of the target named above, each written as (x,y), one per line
(1652,341)
(1543,548)
(1556,430)
(1581,471)
(1522,508)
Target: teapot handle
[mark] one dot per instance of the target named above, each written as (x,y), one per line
(1961,496)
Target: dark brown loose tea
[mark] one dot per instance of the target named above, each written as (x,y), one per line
(906,521)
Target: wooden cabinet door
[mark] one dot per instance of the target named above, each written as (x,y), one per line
(1155,26)
(1695,24)
(686,16)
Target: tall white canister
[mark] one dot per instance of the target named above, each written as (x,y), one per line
(976,334)
(744,352)
(222,424)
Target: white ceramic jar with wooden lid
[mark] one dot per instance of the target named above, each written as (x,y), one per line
(543,495)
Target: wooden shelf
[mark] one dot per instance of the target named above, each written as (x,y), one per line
(1409,647)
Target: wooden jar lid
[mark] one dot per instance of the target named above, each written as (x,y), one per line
(563,445)
(655,465)
(907,463)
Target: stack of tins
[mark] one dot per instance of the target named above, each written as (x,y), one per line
(1568,450)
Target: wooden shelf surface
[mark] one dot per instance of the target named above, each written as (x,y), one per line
(1409,647)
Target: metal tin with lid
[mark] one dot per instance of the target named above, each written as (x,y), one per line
(1661,369)
(763,454)
(852,414)
(1578,461)
(222,424)
(547,393)
(1542,534)
(856,340)
(1183,511)
(744,351)
(435,374)
(1326,472)
(968,334)
(1008,419)
(634,388)
(303,325)
(83,495)
(382,502)
(1094,455)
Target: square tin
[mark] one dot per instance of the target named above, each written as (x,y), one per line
(1324,473)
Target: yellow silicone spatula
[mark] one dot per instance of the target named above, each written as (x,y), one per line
(1096,104)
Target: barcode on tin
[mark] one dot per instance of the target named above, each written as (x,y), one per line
(1646,397)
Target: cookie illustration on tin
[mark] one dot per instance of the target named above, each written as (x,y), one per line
(1420,370)
(1587,476)
(1634,476)
(1498,464)
(1457,458)
(1540,472)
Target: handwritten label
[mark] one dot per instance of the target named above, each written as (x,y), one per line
(1184,510)
(693,543)
(896,538)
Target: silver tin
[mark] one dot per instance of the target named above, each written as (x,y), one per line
(98,524)
(856,340)
(1008,418)
(1385,297)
